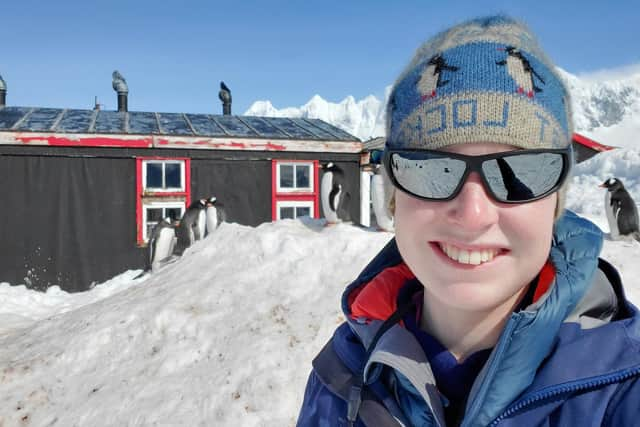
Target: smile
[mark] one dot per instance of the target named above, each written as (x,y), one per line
(466,256)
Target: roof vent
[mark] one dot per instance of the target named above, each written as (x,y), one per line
(3,92)
(120,86)
(225,97)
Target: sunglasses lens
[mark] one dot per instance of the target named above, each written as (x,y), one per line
(523,177)
(427,175)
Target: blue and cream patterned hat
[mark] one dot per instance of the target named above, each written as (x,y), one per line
(486,80)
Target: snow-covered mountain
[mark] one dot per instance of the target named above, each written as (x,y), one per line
(606,108)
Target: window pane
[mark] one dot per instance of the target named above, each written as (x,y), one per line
(302,176)
(172,175)
(303,211)
(154,175)
(173,213)
(286,176)
(286,213)
(154,214)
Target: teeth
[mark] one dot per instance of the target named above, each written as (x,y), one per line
(464,256)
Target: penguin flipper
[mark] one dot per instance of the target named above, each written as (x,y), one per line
(334,197)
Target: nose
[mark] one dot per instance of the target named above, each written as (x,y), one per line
(473,209)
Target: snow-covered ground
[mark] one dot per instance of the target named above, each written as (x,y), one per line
(222,337)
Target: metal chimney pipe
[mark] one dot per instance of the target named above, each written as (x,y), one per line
(225,97)
(120,86)
(3,92)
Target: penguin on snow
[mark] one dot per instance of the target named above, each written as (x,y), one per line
(215,214)
(161,243)
(331,192)
(621,210)
(192,225)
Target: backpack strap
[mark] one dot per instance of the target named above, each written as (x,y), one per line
(340,381)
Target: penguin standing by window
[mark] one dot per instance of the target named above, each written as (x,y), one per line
(161,243)
(621,210)
(192,226)
(331,192)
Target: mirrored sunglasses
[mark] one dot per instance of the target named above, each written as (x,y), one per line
(517,176)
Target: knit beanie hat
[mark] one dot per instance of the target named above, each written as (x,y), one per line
(485,80)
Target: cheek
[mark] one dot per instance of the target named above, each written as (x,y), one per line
(531,225)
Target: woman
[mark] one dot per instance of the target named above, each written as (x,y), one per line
(490,306)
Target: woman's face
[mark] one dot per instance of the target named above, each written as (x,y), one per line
(474,253)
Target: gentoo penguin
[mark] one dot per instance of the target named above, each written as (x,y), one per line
(161,243)
(192,225)
(521,71)
(430,78)
(379,200)
(331,191)
(621,210)
(215,214)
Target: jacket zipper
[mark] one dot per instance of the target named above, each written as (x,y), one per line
(498,353)
(566,389)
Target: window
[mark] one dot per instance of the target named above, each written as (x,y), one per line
(156,211)
(294,187)
(163,175)
(295,177)
(162,190)
(294,209)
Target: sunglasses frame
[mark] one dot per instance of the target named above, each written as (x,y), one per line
(474,164)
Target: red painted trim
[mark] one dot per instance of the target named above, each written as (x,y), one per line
(187,181)
(268,146)
(274,189)
(159,195)
(313,196)
(58,141)
(166,194)
(587,142)
(139,239)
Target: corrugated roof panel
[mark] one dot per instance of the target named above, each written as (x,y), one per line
(75,121)
(234,126)
(203,125)
(332,129)
(263,127)
(142,123)
(40,119)
(319,132)
(289,127)
(110,122)
(9,116)
(174,124)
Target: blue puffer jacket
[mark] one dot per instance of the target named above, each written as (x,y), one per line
(572,358)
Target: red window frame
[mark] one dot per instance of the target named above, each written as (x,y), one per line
(158,195)
(295,196)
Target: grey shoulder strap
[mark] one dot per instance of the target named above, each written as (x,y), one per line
(339,380)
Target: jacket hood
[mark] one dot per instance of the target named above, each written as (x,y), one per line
(540,346)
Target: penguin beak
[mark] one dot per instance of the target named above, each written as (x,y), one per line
(602,186)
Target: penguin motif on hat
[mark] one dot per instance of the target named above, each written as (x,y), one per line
(521,71)
(430,79)
(331,191)
(621,210)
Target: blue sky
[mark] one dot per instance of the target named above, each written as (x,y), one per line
(174,53)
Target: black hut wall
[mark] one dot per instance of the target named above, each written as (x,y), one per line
(70,213)
(69,221)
